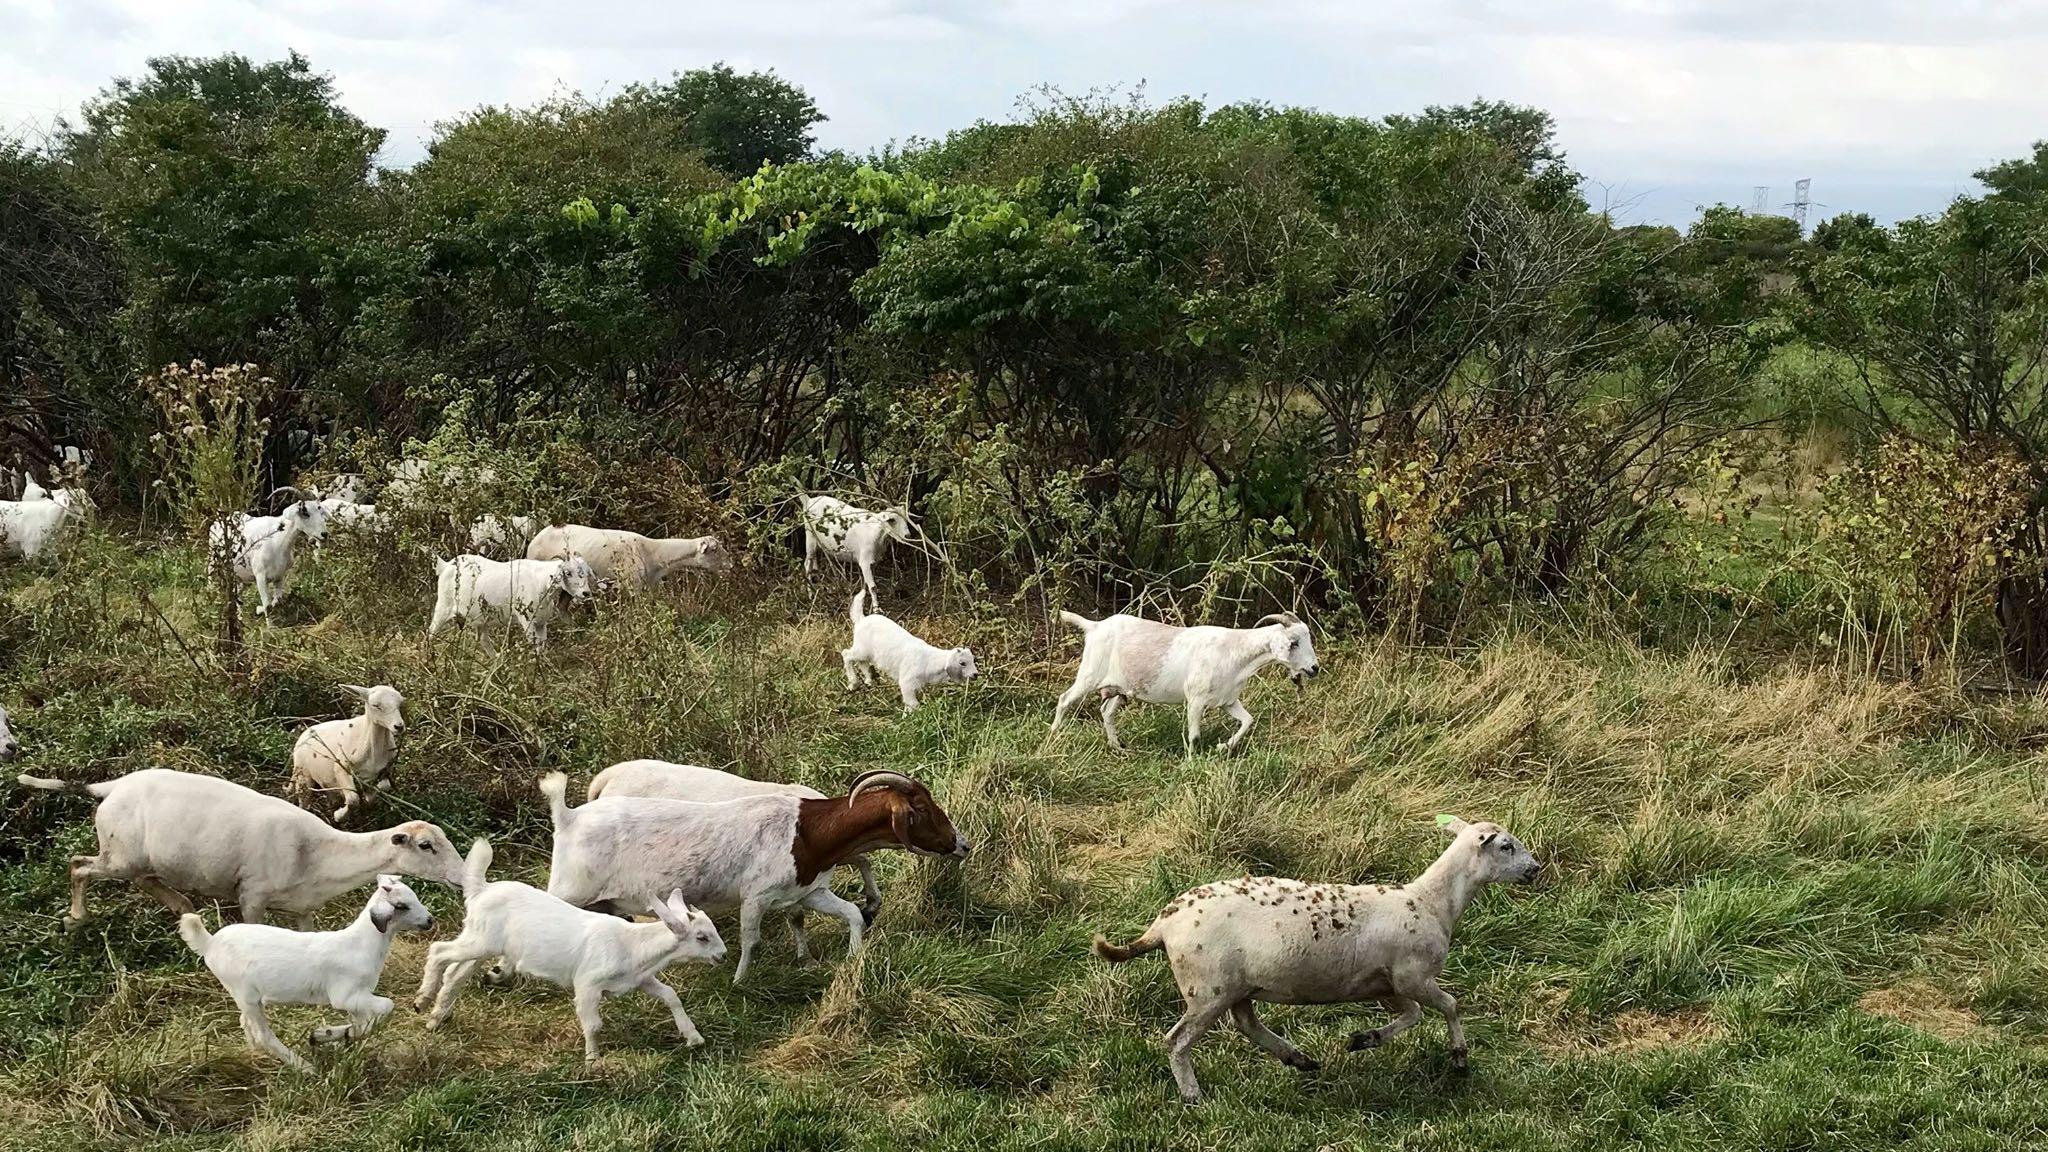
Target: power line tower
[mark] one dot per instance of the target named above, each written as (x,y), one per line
(1800,202)
(1760,199)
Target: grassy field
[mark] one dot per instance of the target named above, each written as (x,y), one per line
(1785,908)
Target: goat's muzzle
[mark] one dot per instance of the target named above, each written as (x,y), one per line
(9,751)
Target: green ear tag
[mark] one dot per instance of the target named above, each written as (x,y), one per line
(1443,819)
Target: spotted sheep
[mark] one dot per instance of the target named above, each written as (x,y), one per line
(1235,942)
(848,534)
(1124,657)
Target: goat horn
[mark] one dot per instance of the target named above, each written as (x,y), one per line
(878,778)
(1287,618)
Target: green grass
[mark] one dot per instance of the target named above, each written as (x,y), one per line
(1787,908)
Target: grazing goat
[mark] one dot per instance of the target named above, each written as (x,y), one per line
(10,748)
(879,642)
(343,511)
(1287,942)
(665,781)
(349,755)
(529,593)
(1206,667)
(29,526)
(628,558)
(170,833)
(260,965)
(494,533)
(756,853)
(267,545)
(846,533)
(592,953)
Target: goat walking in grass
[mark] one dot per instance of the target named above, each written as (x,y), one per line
(1235,942)
(879,642)
(259,964)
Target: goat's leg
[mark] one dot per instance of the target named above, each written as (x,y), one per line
(1110,704)
(255,906)
(262,594)
(461,968)
(1244,722)
(306,922)
(1445,1005)
(588,999)
(826,901)
(256,1027)
(1196,707)
(1247,1020)
(870,895)
(667,995)
(1406,1014)
(750,935)
(349,797)
(431,973)
(867,577)
(1068,699)
(83,870)
(364,1013)
(907,688)
(797,935)
(851,666)
(1194,1024)
(166,895)
(810,551)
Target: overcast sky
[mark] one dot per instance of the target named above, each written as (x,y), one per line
(1664,104)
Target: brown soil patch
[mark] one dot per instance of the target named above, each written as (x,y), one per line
(1921,1005)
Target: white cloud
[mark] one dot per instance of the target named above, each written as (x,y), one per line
(1895,99)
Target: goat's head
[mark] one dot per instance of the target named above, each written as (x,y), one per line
(306,515)
(1291,645)
(696,936)
(897,522)
(1495,852)
(382,704)
(712,555)
(394,908)
(10,748)
(961,668)
(422,849)
(916,820)
(575,580)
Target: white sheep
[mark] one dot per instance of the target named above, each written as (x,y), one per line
(1206,667)
(879,642)
(592,953)
(170,833)
(663,780)
(349,755)
(1235,942)
(758,853)
(494,533)
(10,748)
(850,535)
(529,593)
(628,558)
(259,965)
(264,547)
(30,525)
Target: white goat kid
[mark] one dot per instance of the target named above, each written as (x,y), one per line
(10,748)
(1287,942)
(593,953)
(529,593)
(628,558)
(491,532)
(264,547)
(260,965)
(29,526)
(879,642)
(1205,667)
(848,534)
(347,756)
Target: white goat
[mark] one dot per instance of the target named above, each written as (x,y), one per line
(348,755)
(592,953)
(1287,942)
(1206,667)
(267,546)
(849,534)
(494,533)
(169,833)
(30,525)
(260,965)
(529,593)
(665,781)
(10,748)
(628,557)
(343,511)
(757,853)
(879,642)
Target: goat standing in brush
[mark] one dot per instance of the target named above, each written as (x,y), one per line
(346,756)
(1287,942)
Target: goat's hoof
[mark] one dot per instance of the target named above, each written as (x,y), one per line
(1360,1041)
(693,1041)
(1458,1061)
(1305,1064)
(868,912)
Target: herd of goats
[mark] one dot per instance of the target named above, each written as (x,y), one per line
(680,842)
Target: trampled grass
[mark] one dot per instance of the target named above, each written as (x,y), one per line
(1785,908)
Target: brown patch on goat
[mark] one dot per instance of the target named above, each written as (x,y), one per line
(1919,1004)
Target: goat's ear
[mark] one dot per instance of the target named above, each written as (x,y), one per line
(380,918)
(1450,824)
(1487,839)
(672,912)
(400,838)
(356,690)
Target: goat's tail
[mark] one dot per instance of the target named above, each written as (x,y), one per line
(1078,620)
(856,611)
(595,788)
(52,784)
(193,929)
(555,786)
(476,869)
(1118,953)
